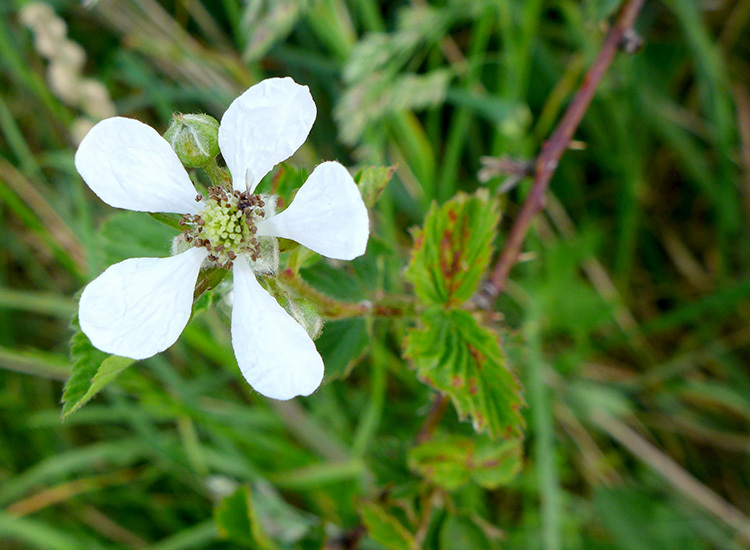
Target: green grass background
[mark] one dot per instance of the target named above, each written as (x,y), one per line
(628,322)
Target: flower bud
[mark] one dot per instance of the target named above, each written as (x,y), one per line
(195,139)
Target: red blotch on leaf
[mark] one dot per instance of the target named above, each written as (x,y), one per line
(478,357)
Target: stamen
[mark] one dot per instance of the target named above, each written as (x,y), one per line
(226,226)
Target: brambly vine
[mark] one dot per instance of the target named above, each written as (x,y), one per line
(263,242)
(138,308)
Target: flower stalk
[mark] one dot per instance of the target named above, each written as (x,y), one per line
(333,309)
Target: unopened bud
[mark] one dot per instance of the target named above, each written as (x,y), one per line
(195,139)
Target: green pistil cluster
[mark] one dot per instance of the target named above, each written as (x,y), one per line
(226,225)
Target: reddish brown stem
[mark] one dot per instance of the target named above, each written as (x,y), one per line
(555,146)
(439,404)
(620,36)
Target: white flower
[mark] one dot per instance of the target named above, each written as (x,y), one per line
(139,307)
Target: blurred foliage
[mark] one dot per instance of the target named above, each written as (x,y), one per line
(626,322)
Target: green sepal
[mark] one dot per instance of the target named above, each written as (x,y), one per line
(453,249)
(456,355)
(301,310)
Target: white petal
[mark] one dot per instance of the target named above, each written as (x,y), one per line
(263,127)
(129,165)
(327,215)
(138,308)
(274,353)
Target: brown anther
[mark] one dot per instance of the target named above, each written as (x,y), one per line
(231,255)
(198,197)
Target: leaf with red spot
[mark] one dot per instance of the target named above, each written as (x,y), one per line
(385,529)
(456,355)
(453,249)
(372,181)
(453,461)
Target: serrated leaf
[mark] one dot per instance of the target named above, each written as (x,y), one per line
(454,354)
(92,370)
(372,181)
(385,529)
(454,461)
(237,521)
(454,248)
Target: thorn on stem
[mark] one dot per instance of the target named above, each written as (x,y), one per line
(631,42)
(485,298)
(505,165)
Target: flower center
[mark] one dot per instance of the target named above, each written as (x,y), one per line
(226,226)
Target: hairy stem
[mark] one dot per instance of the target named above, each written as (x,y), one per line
(217,175)
(332,308)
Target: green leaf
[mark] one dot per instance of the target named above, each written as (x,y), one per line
(638,521)
(281,521)
(92,370)
(452,251)
(284,182)
(147,236)
(386,529)
(237,521)
(342,345)
(453,462)
(455,355)
(459,532)
(372,181)
(598,10)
